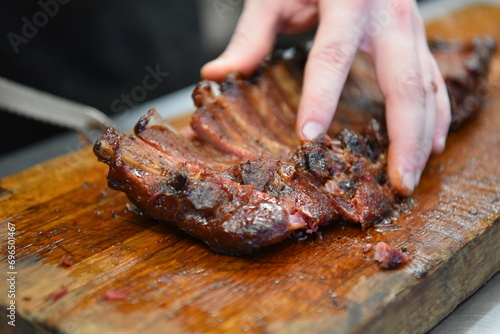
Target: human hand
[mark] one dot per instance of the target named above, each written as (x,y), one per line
(391,32)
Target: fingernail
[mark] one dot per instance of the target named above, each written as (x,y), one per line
(441,143)
(417,177)
(409,181)
(312,129)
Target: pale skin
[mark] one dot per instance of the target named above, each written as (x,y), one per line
(391,32)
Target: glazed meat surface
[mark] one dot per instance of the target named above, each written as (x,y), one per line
(243,180)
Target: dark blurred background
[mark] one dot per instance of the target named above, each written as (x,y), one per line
(96,50)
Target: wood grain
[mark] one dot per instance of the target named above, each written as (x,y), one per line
(174,284)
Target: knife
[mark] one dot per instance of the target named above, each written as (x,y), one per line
(42,106)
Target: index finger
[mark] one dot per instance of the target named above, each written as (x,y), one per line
(336,42)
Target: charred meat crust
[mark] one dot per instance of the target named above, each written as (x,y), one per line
(244,181)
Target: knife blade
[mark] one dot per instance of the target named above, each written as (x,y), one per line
(42,106)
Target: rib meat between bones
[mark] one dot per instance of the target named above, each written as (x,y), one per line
(244,180)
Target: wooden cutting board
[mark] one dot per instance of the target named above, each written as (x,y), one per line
(172,283)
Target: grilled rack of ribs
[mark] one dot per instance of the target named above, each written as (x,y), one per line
(243,180)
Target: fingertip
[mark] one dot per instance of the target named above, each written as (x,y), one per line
(310,130)
(215,70)
(405,169)
(409,181)
(402,182)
